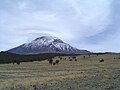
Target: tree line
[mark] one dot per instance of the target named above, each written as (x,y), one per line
(6,57)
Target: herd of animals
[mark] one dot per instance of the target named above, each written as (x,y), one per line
(73,58)
(56,62)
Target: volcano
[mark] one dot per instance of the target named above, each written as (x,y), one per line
(47,44)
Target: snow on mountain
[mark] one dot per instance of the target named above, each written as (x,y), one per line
(41,41)
(47,44)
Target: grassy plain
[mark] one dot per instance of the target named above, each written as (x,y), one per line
(83,74)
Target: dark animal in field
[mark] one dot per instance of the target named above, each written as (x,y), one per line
(54,63)
(60,58)
(18,63)
(14,61)
(50,61)
(57,61)
(70,60)
(102,60)
(84,57)
(69,57)
(75,59)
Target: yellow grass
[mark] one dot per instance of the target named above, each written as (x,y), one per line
(31,73)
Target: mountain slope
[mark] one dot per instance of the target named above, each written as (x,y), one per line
(47,44)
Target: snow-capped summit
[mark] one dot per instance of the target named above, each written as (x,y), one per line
(47,44)
(44,40)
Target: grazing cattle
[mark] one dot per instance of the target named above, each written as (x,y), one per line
(70,60)
(69,57)
(75,59)
(14,61)
(97,54)
(50,61)
(84,57)
(57,61)
(60,58)
(18,63)
(102,60)
(54,63)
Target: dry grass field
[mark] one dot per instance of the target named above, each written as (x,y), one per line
(84,74)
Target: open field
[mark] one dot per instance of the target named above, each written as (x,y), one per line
(84,74)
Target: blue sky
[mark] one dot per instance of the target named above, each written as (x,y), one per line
(86,24)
